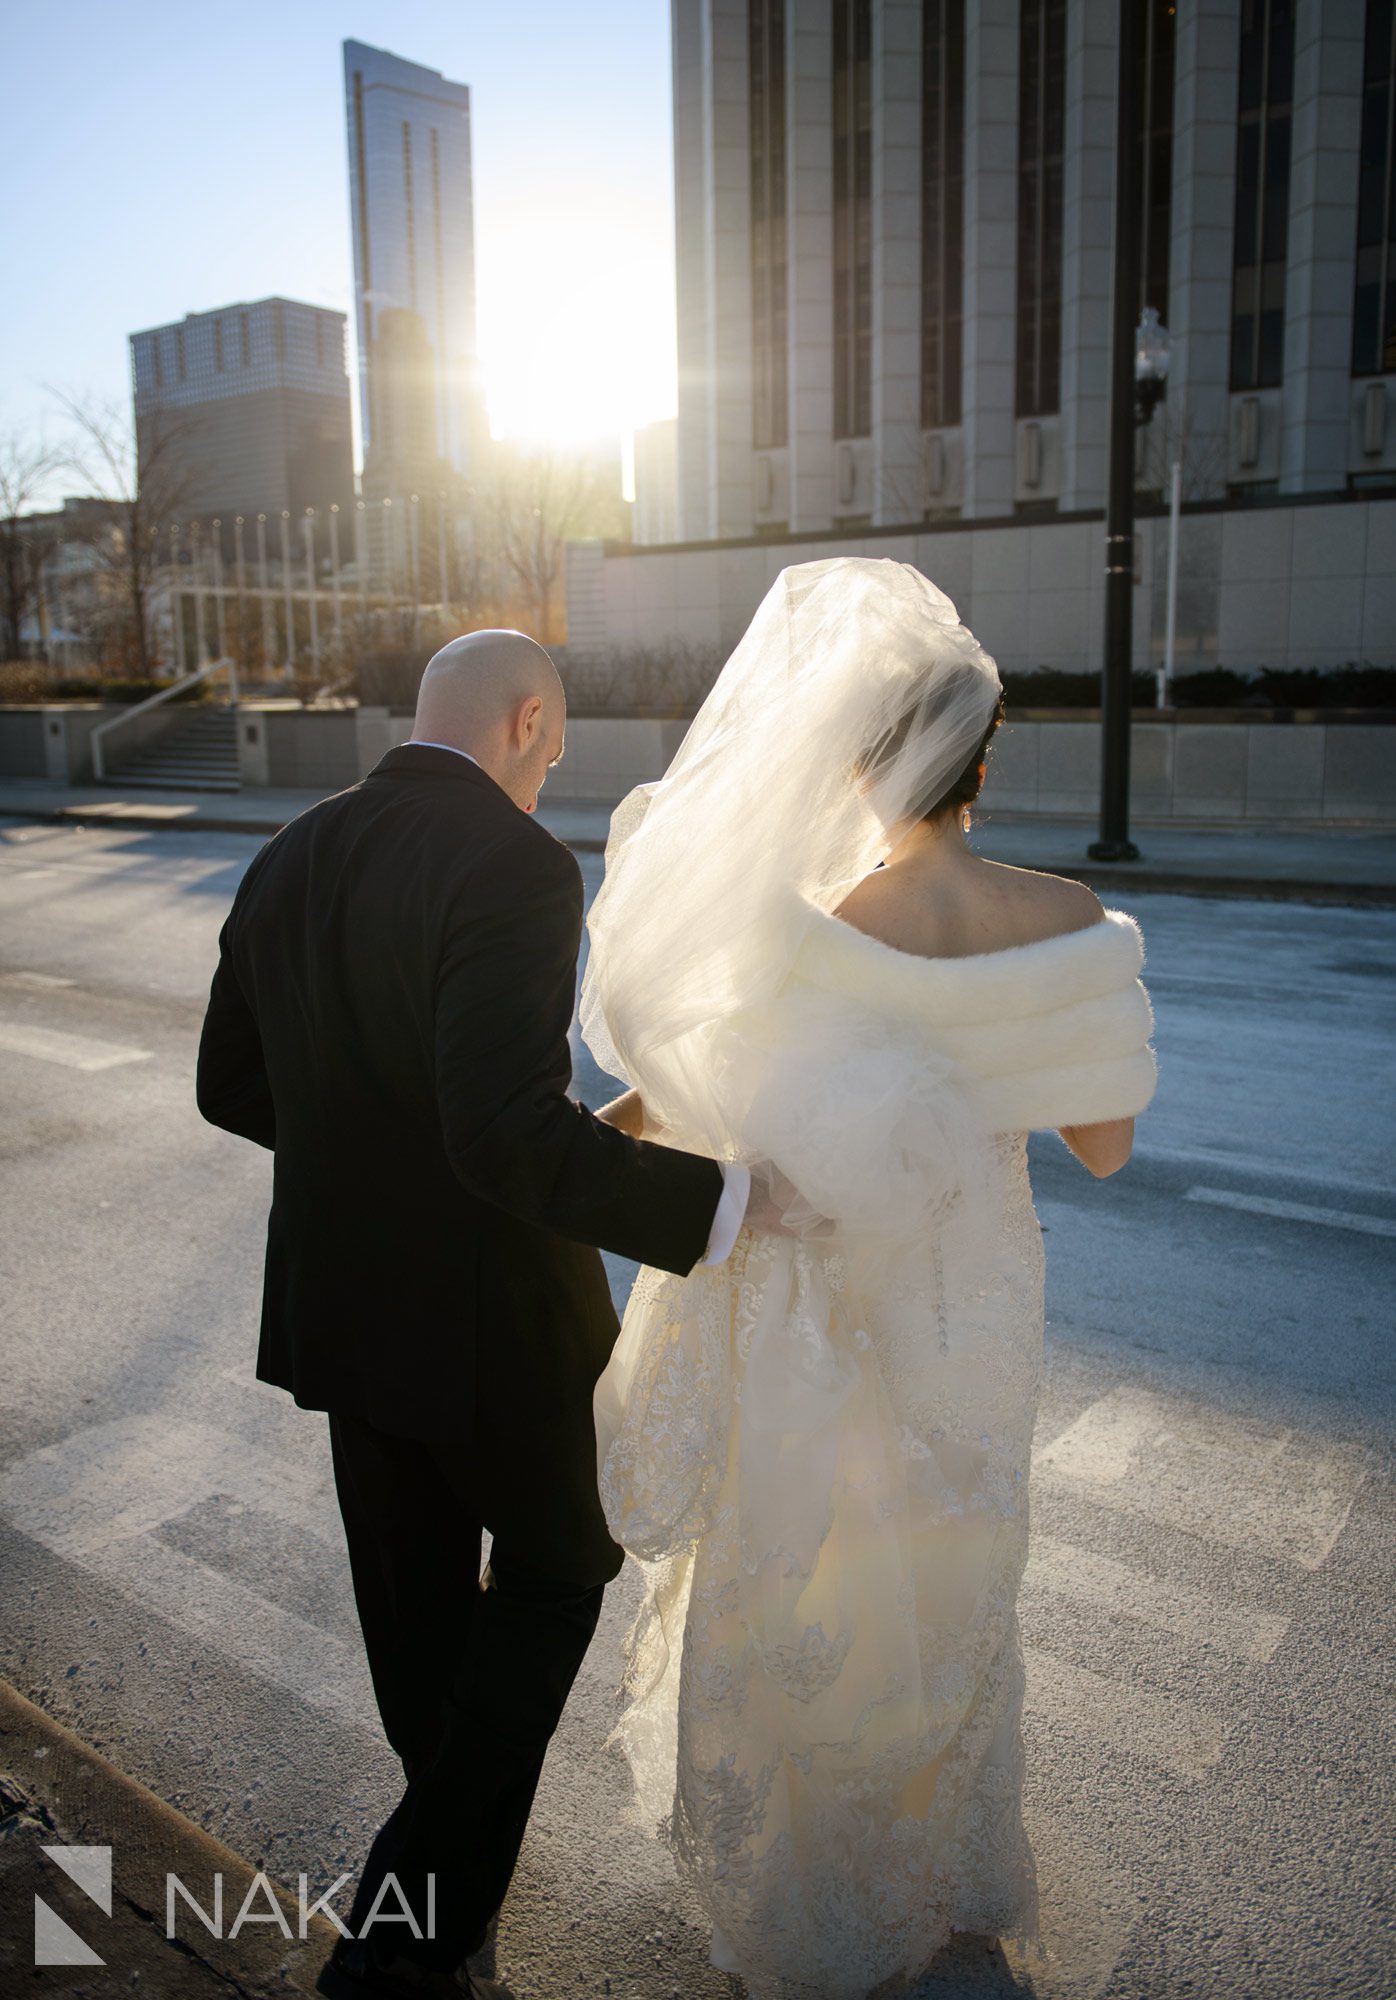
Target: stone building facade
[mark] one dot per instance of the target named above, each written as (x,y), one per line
(893,252)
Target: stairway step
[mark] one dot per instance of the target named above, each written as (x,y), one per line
(178,784)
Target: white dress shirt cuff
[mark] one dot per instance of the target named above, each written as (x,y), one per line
(731,1213)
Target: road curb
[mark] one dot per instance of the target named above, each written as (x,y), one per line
(76,1796)
(1172,882)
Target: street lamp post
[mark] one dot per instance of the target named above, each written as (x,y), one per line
(1114,843)
(264,592)
(310,588)
(218,613)
(178,600)
(334,577)
(240,569)
(286,592)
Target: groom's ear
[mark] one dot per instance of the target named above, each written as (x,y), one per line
(527,721)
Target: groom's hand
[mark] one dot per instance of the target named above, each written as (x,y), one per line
(776,1205)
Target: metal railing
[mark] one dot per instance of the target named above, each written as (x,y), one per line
(104,729)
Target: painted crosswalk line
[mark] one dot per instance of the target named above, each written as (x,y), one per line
(83,1052)
(1163,1603)
(1130,1721)
(1263,1488)
(1295,1211)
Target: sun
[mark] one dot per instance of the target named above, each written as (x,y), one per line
(576,327)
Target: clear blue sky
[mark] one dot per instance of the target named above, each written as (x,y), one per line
(163,160)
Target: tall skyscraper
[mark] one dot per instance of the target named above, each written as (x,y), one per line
(414,274)
(254,399)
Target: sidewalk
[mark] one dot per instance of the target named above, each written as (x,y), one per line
(1357,867)
(111,1913)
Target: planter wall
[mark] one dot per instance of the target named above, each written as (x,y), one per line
(1306,773)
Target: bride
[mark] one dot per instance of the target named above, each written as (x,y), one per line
(819,1450)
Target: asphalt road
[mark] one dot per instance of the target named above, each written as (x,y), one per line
(1207,1610)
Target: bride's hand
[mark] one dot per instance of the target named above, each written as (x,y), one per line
(626,1113)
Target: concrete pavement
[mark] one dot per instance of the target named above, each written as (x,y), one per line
(1207,1606)
(1318,865)
(87,1858)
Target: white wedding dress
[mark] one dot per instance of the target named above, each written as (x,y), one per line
(820,1449)
(821,1453)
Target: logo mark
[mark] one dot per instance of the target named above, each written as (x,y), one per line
(55,1942)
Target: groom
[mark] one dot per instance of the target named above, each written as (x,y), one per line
(390,1014)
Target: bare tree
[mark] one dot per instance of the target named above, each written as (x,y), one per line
(25,466)
(140,491)
(540,501)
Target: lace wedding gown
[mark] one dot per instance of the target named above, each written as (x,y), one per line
(821,1452)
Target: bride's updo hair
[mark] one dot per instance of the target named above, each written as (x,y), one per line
(920,714)
(967,787)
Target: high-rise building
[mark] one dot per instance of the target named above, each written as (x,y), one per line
(894,223)
(250,407)
(894,239)
(414,274)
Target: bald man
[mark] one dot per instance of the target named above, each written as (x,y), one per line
(390,1014)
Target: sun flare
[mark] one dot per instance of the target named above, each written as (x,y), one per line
(576,336)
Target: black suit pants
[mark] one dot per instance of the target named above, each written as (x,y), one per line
(471,1674)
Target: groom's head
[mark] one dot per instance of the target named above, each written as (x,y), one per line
(496,695)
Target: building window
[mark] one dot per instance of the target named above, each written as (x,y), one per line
(155,357)
(766,72)
(179,353)
(278,330)
(942,208)
(1262,193)
(852,218)
(218,345)
(1155,87)
(439,273)
(1041,101)
(411,218)
(1374,301)
(319,341)
(245,339)
(361,176)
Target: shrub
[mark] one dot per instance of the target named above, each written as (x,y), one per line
(672,679)
(31,680)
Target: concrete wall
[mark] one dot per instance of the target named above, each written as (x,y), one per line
(1263,772)
(1190,770)
(1312,585)
(22,743)
(54,741)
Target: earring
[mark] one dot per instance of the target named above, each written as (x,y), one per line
(964,820)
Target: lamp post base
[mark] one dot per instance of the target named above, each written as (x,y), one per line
(1113,850)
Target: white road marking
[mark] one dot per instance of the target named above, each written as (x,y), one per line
(98,1497)
(1088,1912)
(1259,1487)
(1161,1602)
(1211,1160)
(1178,1735)
(321,1669)
(1294,1211)
(85,1052)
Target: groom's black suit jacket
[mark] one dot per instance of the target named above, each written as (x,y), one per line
(390,1013)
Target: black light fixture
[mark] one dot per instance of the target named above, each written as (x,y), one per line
(1113,842)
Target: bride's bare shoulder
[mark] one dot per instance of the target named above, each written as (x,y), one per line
(991,908)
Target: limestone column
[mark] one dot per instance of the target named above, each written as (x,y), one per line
(690,269)
(1207,52)
(729,268)
(1088,215)
(809,179)
(1321,264)
(897,472)
(991,254)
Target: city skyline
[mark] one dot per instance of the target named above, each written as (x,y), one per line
(573,207)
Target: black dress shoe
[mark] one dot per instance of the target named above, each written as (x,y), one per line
(352,1972)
